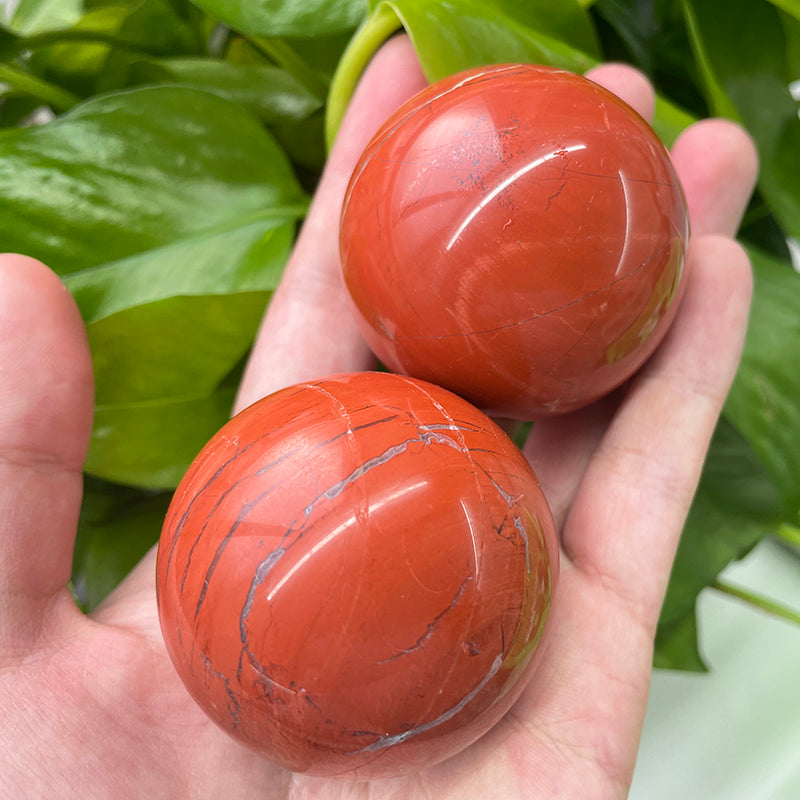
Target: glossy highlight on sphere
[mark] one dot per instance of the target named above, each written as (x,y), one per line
(354,575)
(517,235)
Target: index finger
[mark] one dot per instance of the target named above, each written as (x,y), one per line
(718,165)
(308,331)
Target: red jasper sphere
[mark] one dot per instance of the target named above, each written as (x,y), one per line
(354,575)
(515,234)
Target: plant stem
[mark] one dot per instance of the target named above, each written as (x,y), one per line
(369,37)
(284,56)
(758,601)
(789,533)
(20,80)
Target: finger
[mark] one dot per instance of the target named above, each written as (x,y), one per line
(628,84)
(718,166)
(132,605)
(308,331)
(559,449)
(46,400)
(620,537)
(631,506)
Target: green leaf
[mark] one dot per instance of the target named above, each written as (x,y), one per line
(304,142)
(160,27)
(25,84)
(270,93)
(791,29)
(652,36)
(670,120)
(8,37)
(676,645)
(304,18)
(151,444)
(789,6)
(450,37)
(736,505)
(38,16)
(320,53)
(637,25)
(749,485)
(249,256)
(75,57)
(171,239)
(132,172)
(118,525)
(747,79)
(167,326)
(158,370)
(764,403)
(15,109)
(148,352)
(95,54)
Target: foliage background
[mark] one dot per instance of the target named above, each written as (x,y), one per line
(159,155)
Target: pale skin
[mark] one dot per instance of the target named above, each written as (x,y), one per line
(90,707)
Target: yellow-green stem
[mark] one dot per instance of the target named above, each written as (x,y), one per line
(757,601)
(369,37)
(21,81)
(789,533)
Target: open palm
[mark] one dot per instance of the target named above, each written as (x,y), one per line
(90,707)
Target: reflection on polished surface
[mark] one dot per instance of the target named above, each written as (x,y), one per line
(354,575)
(516,234)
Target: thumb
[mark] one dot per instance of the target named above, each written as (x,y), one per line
(46,399)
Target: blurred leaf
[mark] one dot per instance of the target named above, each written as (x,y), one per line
(749,483)
(790,6)
(8,38)
(122,33)
(304,18)
(118,525)
(15,109)
(760,230)
(168,27)
(23,83)
(652,36)
(304,142)
(320,53)
(151,444)
(270,93)
(670,120)
(676,645)
(735,506)
(76,64)
(746,78)
(637,24)
(764,403)
(131,172)
(791,29)
(38,16)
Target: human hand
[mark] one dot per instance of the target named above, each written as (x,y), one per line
(91,706)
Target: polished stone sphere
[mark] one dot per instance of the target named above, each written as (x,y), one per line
(354,575)
(517,235)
